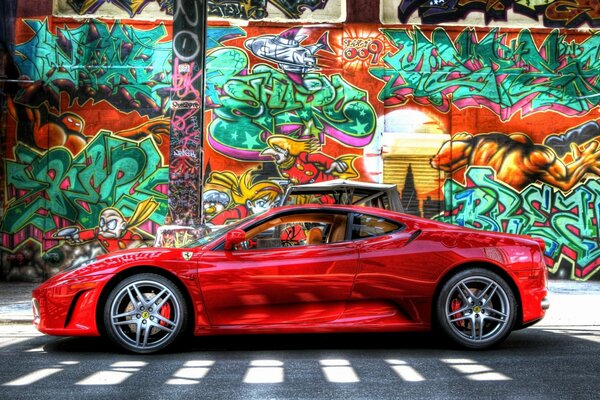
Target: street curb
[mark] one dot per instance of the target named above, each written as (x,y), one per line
(16,321)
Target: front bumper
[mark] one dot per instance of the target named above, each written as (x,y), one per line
(67,308)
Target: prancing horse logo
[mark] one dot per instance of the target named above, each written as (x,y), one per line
(187,255)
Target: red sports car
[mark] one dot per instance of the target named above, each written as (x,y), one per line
(308,268)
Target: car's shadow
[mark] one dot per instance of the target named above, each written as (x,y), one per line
(529,340)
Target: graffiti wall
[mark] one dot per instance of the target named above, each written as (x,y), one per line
(282,109)
(248,10)
(521,13)
(478,101)
(524,156)
(86,154)
(491,128)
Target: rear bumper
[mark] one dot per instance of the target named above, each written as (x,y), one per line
(545,303)
(533,286)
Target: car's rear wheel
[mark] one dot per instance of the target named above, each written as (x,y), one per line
(476,308)
(145,313)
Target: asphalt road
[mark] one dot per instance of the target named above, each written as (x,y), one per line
(536,363)
(557,359)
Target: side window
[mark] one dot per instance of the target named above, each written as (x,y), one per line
(365,226)
(293,230)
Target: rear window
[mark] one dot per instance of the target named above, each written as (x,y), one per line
(365,226)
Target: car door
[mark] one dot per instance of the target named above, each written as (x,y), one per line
(305,283)
(389,277)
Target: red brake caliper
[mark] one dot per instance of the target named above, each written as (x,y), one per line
(165,311)
(455,306)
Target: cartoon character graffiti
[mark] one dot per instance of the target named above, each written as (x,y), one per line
(299,161)
(114,232)
(214,202)
(517,160)
(40,128)
(286,51)
(248,197)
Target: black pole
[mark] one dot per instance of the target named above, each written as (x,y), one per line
(187,112)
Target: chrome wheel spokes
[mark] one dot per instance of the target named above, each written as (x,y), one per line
(145,314)
(477,309)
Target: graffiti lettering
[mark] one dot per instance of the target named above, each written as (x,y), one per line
(181,105)
(125,66)
(185,153)
(556,13)
(249,9)
(566,222)
(295,8)
(363,49)
(572,13)
(109,172)
(239,9)
(506,76)
(250,107)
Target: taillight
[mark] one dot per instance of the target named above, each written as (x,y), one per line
(541,243)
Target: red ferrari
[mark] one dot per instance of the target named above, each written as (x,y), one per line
(305,269)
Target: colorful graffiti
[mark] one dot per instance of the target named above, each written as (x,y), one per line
(555,13)
(131,7)
(106,138)
(77,185)
(53,190)
(568,222)
(518,161)
(508,76)
(238,9)
(250,104)
(128,67)
(280,113)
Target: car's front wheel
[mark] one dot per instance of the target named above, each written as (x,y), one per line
(145,313)
(476,308)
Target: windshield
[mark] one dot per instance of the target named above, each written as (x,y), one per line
(219,232)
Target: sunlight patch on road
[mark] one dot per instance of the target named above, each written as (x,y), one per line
(338,371)
(474,371)
(192,373)
(264,371)
(585,334)
(405,371)
(118,374)
(9,341)
(33,377)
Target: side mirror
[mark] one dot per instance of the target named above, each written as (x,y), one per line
(233,238)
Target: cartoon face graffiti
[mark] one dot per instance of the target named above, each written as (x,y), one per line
(112,224)
(214,202)
(299,161)
(262,204)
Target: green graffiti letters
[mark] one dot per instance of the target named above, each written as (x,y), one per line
(248,108)
(506,76)
(109,172)
(568,223)
(126,66)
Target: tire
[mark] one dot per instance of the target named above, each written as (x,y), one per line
(476,309)
(145,313)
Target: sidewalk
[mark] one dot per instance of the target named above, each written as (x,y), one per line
(15,302)
(571,304)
